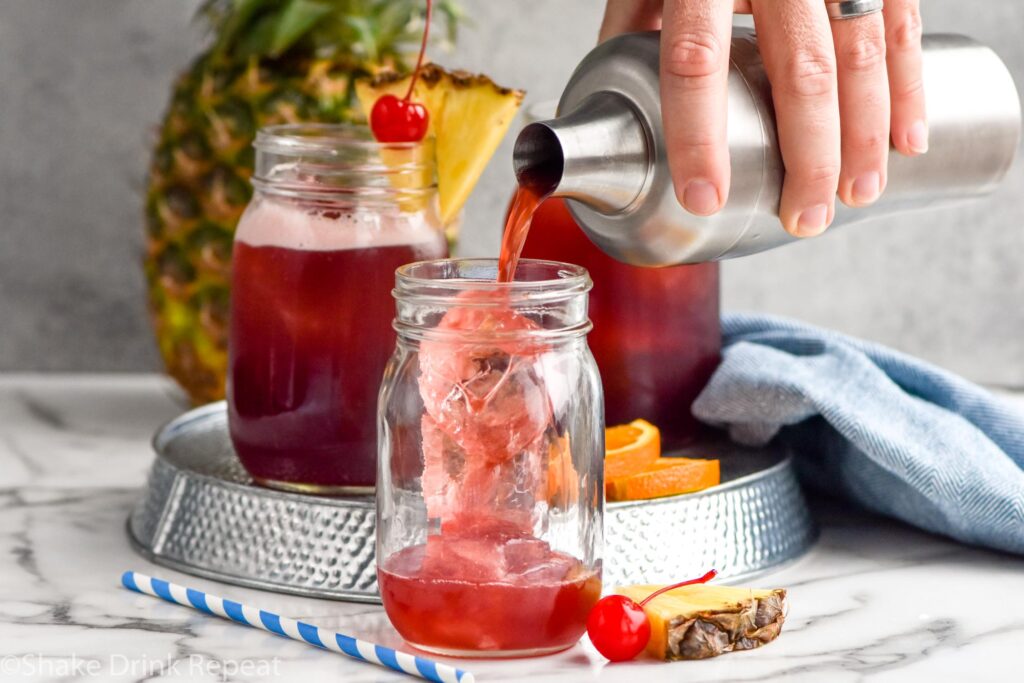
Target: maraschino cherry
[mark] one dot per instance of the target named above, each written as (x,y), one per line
(402,120)
(618,626)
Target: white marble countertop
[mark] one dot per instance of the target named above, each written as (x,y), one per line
(874,601)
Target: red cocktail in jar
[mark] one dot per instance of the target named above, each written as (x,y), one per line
(489,504)
(524,598)
(313,266)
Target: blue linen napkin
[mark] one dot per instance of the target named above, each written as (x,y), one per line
(900,436)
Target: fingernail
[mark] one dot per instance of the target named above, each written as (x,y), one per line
(917,138)
(867,187)
(812,221)
(700,197)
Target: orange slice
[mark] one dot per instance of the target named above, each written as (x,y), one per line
(662,477)
(628,447)
(624,466)
(638,438)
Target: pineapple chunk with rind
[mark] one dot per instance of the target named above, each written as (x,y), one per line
(701,621)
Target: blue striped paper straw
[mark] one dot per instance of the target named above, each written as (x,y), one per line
(296,630)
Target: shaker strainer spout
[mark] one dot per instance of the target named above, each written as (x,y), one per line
(597,154)
(605,152)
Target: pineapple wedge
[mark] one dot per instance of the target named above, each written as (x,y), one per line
(469,116)
(701,621)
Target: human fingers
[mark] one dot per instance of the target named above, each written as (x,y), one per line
(695,40)
(903,56)
(796,44)
(863,107)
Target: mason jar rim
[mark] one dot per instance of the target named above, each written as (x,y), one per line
(321,139)
(445,279)
(342,162)
(554,291)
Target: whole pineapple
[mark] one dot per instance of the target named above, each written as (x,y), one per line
(270,61)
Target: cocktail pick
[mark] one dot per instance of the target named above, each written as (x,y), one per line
(296,630)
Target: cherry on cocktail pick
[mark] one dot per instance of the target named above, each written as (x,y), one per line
(395,120)
(402,120)
(618,626)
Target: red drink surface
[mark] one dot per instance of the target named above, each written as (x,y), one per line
(656,335)
(456,605)
(310,336)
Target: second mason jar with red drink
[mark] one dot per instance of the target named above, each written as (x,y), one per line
(333,215)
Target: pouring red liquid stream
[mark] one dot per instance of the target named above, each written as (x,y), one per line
(517,227)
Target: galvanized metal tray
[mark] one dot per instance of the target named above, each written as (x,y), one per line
(202,514)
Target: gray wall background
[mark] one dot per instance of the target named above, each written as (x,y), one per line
(82,82)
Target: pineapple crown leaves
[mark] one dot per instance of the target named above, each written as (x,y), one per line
(375,30)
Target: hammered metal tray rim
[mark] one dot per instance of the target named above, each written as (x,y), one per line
(162,529)
(237,580)
(171,428)
(347,596)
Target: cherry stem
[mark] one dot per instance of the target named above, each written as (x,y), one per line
(423,51)
(704,579)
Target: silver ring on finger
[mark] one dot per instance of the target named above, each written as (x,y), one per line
(851,9)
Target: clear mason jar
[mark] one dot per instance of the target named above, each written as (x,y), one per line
(490,480)
(334,213)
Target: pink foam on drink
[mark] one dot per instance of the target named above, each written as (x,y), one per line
(280,222)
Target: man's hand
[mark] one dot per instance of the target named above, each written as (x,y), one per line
(841,88)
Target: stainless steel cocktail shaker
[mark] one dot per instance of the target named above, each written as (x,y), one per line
(605,152)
